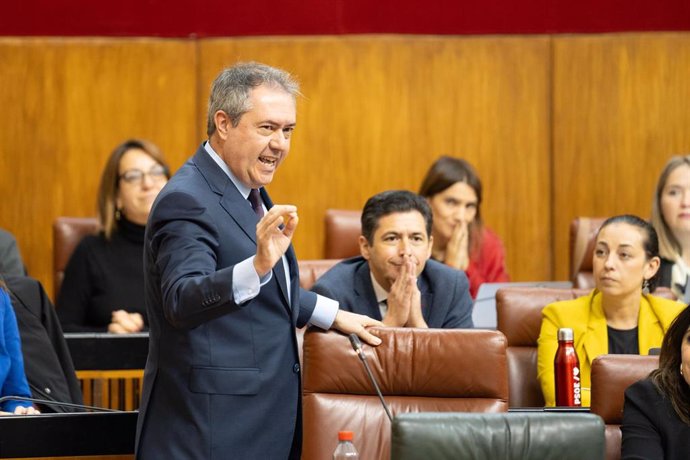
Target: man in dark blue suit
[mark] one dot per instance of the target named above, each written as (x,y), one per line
(394,279)
(222,378)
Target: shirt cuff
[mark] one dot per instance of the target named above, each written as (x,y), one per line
(324,312)
(246,283)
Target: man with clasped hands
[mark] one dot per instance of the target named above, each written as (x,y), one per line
(222,378)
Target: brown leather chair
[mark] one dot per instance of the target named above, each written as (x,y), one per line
(418,370)
(343,227)
(611,375)
(583,233)
(311,270)
(67,233)
(518,313)
(519,318)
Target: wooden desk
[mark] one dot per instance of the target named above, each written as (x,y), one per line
(109,367)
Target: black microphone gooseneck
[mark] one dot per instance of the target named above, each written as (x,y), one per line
(357,346)
(47,402)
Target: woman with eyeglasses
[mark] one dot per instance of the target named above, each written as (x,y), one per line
(103,288)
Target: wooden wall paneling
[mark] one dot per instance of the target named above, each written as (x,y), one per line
(377,111)
(620,111)
(66,104)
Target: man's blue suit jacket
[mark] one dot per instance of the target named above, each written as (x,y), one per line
(446,301)
(222,380)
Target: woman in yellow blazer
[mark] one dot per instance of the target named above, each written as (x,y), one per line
(619,316)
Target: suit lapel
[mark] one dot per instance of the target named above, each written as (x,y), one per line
(278,269)
(595,339)
(239,209)
(364,292)
(651,332)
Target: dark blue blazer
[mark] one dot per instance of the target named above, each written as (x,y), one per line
(651,428)
(446,301)
(222,379)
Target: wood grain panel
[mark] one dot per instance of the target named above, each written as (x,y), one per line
(378,110)
(65,105)
(620,110)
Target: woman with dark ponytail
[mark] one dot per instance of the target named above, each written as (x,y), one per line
(656,415)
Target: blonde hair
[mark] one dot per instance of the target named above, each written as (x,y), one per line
(110,181)
(669,247)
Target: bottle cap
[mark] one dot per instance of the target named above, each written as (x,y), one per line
(565,333)
(345,435)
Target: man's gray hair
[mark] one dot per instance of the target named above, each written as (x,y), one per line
(232,87)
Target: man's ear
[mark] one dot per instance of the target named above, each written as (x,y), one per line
(364,247)
(223,123)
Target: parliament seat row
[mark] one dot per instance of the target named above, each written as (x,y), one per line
(446,371)
(342,229)
(419,370)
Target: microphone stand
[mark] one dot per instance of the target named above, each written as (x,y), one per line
(357,346)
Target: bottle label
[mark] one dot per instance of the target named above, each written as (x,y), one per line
(576,386)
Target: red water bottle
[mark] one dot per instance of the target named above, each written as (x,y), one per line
(567,370)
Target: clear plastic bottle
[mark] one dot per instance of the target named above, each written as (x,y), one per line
(345,449)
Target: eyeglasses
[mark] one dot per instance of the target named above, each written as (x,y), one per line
(136,176)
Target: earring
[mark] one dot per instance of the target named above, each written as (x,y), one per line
(645,286)
(118,214)
(681,369)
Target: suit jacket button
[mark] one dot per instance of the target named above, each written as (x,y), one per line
(295,368)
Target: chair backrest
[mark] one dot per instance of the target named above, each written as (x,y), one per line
(67,233)
(519,317)
(311,270)
(611,375)
(432,370)
(528,435)
(343,228)
(583,233)
(518,312)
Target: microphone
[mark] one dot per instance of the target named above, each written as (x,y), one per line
(357,346)
(55,403)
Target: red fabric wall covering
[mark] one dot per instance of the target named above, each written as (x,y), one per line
(202,18)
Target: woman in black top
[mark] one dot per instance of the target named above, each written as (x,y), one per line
(103,289)
(671,220)
(656,415)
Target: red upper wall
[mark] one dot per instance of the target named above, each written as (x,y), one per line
(181,18)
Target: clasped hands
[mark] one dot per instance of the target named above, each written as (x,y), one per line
(22,410)
(404,298)
(457,250)
(124,322)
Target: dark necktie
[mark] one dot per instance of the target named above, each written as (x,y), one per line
(255,200)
